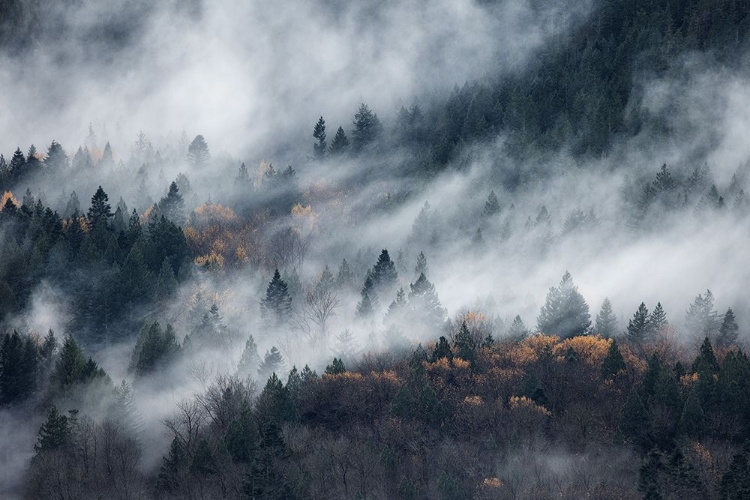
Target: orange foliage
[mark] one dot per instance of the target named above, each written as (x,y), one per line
(473,401)
(8,196)
(524,404)
(220,237)
(591,349)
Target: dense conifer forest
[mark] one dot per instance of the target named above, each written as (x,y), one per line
(491,249)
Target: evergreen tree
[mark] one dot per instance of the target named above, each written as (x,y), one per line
(204,462)
(613,363)
(692,418)
(33,164)
(465,344)
(367,128)
(241,439)
(345,277)
(250,360)
(336,367)
(657,320)
(100,210)
(17,166)
(518,330)
(634,420)
(319,133)
(173,467)
(735,483)
(70,365)
(18,368)
(491,206)
(154,349)
(198,156)
(706,361)
(728,331)
(421,267)
(172,206)
(243,177)
(638,328)
(340,143)
(384,275)
(368,303)
(56,159)
(276,308)
(424,306)
(701,319)
(272,362)
(442,350)
(54,433)
(166,283)
(606,322)
(565,312)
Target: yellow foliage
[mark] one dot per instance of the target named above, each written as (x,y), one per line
(146,215)
(8,196)
(524,403)
(344,377)
(212,260)
(473,401)
(591,349)
(386,376)
(491,482)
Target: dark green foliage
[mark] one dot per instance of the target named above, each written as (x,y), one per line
(319,133)
(735,483)
(417,400)
(613,363)
(172,206)
(154,349)
(692,419)
(638,328)
(368,303)
(657,320)
(634,420)
(706,361)
(442,350)
(701,319)
(166,283)
(606,322)
(276,307)
(100,210)
(274,405)
(72,368)
(340,143)
(204,462)
(54,433)
(648,481)
(465,344)
(173,468)
(728,331)
(18,368)
(384,276)
(56,159)
(367,128)
(565,312)
(336,367)
(241,439)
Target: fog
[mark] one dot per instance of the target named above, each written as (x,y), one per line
(254,78)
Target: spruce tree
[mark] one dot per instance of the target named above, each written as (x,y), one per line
(367,128)
(319,133)
(728,331)
(173,468)
(657,320)
(465,344)
(606,322)
(56,159)
(518,330)
(340,143)
(638,328)
(369,299)
(421,267)
(336,367)
(276,307)
(54,433)
(198,155)
(18,368)
(491,206)
(384,275)
(272,362)
(424,306)
(100,210)
(172,206)
(250,360)
(17,166)
(243,177)
(241,439)
(613,363)
(442,350)
(344,277)
(565,312)
(701,319)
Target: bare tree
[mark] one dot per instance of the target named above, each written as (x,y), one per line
(320,305)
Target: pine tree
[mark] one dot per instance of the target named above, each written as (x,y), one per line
(384,275)
(17,166)
(367,128)
(465,344)
(18,368)
(606,322)
(243,177)
(319,133)
(613,363)
(491,206)
(173,467)
(56,159)
(336,367)
(518,330)
(442,350)
(634,420)
(250,360)
(172,206)
(272,362)
(340,143)
(166,283)
(658,319)
(54,433)
(706,361)
(728,331)
(565,312)
(276,308)
(198,156)
(701,319)
(241,439)
(368,303)
(100,210)
(424,306)
(692,418)
(421,267)
(638,328)
(345,277)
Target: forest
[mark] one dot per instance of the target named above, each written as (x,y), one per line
(489,249)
